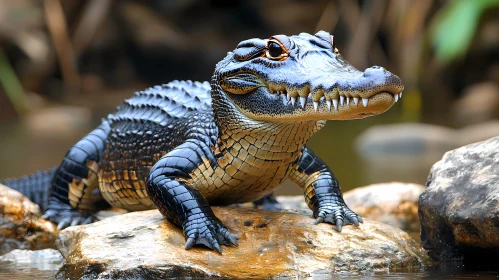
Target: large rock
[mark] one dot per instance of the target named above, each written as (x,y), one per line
(459,210)
(21,226)
(393,203)
(144,245)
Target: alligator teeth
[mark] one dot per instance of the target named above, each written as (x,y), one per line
(288,96)
(293,100)
(316,105)
(302,101)
(284,100)
(342,100)
(348,101)
(396,97)
(364,101)
(335,104)
(400,94)
(328,102)
(355,100)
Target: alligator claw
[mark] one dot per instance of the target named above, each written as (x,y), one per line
(355,221)
(337,214)
(319,220)
(217,247)
(359,218)
(190,243)
(208,231)
(339,224)
(68,217)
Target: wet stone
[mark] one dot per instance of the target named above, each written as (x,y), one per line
(21,226)
(460,206)
(392,203)
(288,245)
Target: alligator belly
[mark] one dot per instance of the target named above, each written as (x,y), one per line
(124,189)
(231,185)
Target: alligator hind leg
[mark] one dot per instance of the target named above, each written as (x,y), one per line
(267,202)
(75,179)
(167,186)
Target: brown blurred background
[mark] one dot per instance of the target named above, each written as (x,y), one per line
(64,64)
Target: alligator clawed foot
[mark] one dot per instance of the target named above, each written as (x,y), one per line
(337,214)
(209,232)
(64,216)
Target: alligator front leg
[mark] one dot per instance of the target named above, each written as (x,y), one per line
(322,191)
(168,187)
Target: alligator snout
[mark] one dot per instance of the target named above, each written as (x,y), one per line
(341,88)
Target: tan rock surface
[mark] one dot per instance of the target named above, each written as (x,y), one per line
(392,203)
(20,224)
(144,245)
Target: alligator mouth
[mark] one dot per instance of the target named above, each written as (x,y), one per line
(296,104)
(331,100)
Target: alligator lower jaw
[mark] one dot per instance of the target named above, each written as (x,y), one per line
(349,110)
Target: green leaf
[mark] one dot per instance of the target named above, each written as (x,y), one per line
(11,85)
(453,29)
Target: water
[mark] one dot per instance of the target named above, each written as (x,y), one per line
(27,271)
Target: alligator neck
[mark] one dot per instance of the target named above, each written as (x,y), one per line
(264,140)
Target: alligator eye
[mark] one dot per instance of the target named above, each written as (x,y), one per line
(275,49)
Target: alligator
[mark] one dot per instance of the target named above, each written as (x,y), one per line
(183,146)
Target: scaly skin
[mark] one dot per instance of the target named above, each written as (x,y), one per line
(184,146)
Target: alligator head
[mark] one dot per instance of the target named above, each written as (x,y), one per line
(302,77)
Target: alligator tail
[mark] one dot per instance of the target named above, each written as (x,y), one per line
(35,186)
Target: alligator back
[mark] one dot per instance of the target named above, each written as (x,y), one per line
(143,129)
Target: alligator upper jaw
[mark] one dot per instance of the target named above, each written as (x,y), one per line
(335,106)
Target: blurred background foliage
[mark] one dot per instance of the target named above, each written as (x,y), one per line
(64,64)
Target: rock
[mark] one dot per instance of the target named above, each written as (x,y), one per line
(294,203)
(420,142)
(273,244)
(393,203)
(20,224)
(459,210)
(478,132)
(479,103)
